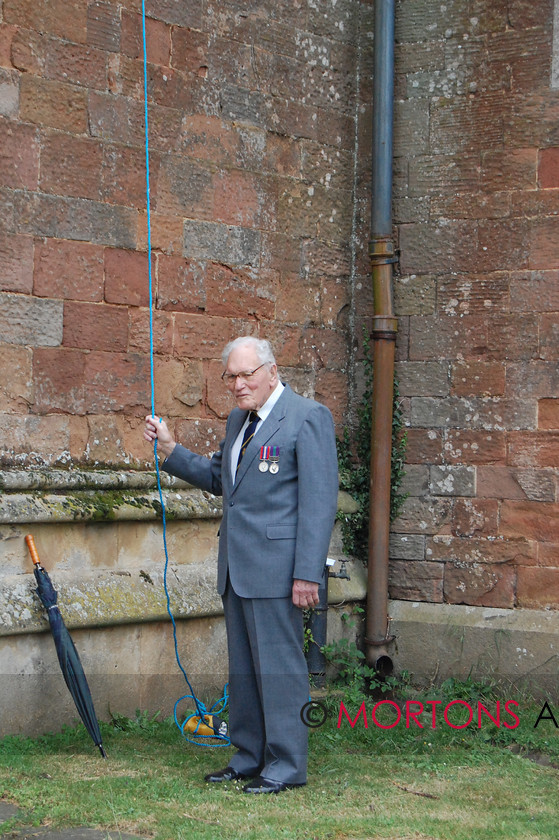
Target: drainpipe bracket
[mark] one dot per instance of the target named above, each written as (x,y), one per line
(380,642)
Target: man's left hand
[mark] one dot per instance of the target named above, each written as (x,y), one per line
(305,594)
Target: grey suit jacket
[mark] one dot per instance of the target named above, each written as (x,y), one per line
(275,528)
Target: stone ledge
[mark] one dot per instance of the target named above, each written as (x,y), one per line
(133,597)
(519,647)
(90,495)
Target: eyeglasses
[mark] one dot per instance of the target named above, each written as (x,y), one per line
(245,375)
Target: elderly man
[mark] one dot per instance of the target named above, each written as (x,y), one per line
(277,473)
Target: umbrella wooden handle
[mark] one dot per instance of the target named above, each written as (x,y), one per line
(32,549)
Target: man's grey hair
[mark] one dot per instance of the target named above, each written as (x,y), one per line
(262,347)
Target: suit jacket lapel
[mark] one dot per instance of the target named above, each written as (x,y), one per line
(268,428)
(236,422)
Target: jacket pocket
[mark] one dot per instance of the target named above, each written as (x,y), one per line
(281,532)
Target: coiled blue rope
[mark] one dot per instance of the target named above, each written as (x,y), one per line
(216,739)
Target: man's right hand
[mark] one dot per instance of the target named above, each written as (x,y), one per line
(156,429)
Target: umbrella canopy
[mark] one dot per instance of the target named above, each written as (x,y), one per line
(70,664)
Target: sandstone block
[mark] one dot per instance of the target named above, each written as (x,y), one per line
(452,481)
(480,585)
(16,263)
(475,517)
(19,156)
(117,382)
(411,580)
(68,270)
(94,326)
(103,26)
(127,277)
(407,547)
(538,588)
(16,386)
(532,520)
(58,377)
(233,246)
(26,320)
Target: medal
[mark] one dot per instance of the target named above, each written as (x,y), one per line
(274,458)
(263,465)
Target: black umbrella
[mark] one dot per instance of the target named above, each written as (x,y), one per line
(70,664)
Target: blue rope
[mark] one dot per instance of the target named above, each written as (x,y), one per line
(201,711)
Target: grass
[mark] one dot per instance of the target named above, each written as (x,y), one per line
(461,784)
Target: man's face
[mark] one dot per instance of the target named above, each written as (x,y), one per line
(252,393)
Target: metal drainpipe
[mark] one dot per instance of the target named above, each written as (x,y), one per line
(385,325)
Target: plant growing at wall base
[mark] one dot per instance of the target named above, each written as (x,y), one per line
(354,464)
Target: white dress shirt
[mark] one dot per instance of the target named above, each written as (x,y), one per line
(263,413)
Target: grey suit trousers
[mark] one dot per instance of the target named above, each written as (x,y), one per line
(269,684)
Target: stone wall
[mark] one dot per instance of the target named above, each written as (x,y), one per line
(260,124)
(477,295)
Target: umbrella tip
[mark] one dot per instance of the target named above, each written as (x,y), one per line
(102,750)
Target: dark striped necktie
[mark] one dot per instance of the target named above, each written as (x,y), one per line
(248,435)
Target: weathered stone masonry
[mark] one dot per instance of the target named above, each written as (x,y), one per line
(259,117)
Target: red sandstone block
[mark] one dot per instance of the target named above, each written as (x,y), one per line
(75,64)
(475,517)
(532,520)
(469,294)
(71,166)
(63,18)
(424,515)
(533,449)
(462,446)
(204,336)
(476,550)
(16,263)
(415,580)
(324,348)
(549,337)
(19,155)
(166,233)
(285,340)
(53,104)
(510,169)
(68,270)
(7,35)
(95,326)
(503,245)
(474,378)
(498,482)
(331,390)
(103,26)
(184,188)
(548,168)
(190,51)
(538,588)
(16,389)
(535,291)
(179,387)
(480,585)
(58,379)
(42,440)
(158,38)
(202,436)
(138,332)
(298,302)
(241,198)
(236,293)
(211,138)
(123,175)
(548,554)
(424,446)
(474,205)
(548,414)
(29,51)
(218,398)
(181,284)
(542,247)
(512,337)
(127,277)
(282,254)
(447,337)
(117,382)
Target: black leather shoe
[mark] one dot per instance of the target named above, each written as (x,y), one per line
(261,785)
(226,775)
